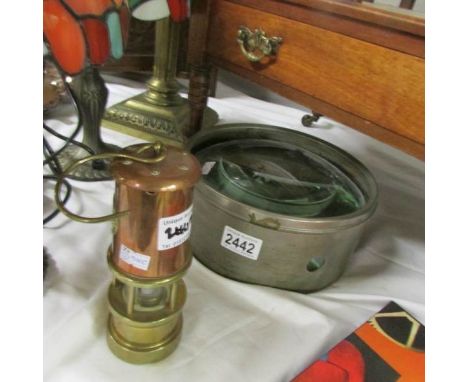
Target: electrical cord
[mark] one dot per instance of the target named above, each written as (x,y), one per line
(56,169)
(54,213)
(67,141)
(51,160)
(51,156)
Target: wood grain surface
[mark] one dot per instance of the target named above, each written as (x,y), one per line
(367,127)
(379,86)
(357,24)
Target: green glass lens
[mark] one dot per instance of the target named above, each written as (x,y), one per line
(280,178)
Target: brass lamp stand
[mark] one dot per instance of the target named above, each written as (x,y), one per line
(160,112)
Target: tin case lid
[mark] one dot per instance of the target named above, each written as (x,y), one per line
(177,170)
(297,180)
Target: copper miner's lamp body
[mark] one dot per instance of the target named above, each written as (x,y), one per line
(150,252)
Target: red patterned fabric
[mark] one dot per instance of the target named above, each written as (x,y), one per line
(323,371)
(344,364)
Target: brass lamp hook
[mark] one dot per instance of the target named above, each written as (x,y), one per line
(159,151)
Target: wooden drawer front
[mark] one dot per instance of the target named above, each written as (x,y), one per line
(377,84)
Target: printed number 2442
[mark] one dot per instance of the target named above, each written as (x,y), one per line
(246,246)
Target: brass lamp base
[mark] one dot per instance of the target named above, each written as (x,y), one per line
(144,329)
(138,354)
(141,118)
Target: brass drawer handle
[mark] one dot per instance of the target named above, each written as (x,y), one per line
(250,42)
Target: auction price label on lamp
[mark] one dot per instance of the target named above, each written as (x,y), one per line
(174,230)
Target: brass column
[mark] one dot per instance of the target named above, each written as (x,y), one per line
(163,87)
(160,113)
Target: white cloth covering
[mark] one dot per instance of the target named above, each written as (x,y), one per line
(234,331)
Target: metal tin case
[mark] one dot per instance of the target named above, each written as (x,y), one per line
(291,252)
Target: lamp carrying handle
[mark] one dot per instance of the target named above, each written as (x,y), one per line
(160,154)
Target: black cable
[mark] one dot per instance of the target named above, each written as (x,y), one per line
(51,157)
(52,161)
(79,125)
(56,169)
(53,214)
(67,141)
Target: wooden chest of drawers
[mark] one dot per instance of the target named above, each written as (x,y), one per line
(359,66)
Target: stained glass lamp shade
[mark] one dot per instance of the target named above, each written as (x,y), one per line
(152,10)
(81,35)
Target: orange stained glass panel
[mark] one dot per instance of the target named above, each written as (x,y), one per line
(124,15)
(179,9)
(98,40)
(64,35)
(89,7)
(118,2)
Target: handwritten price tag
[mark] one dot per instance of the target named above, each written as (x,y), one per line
(241,243)
(136,259)
(174,230)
